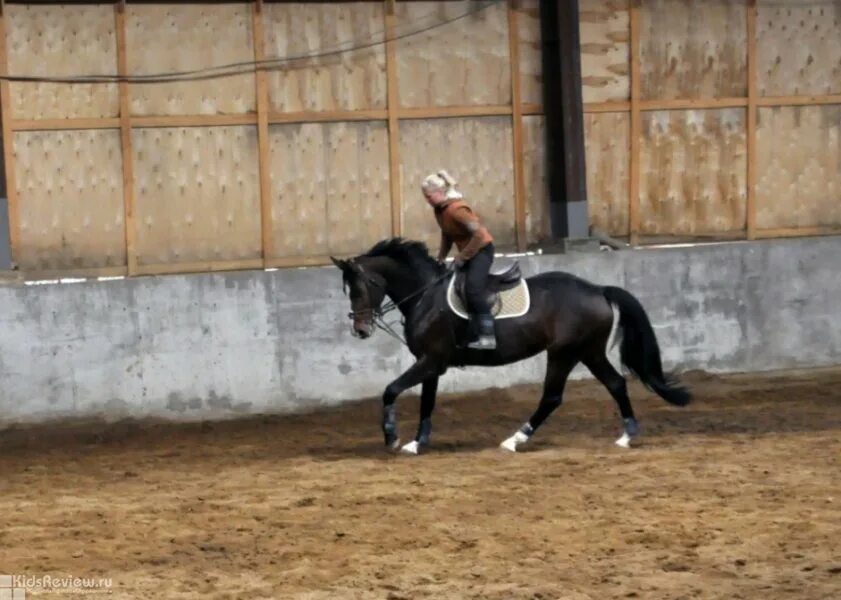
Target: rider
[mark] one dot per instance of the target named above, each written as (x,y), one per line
(461,225)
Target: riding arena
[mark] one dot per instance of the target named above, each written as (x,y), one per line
(233,363)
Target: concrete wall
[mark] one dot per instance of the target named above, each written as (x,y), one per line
(217,345)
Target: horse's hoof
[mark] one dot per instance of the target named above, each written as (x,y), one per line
(411,448)
(624,441)
(510,444)
(393,446)
(515,440)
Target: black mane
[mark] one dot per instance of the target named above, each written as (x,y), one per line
(409,252)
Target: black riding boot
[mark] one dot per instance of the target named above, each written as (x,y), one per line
(487,335)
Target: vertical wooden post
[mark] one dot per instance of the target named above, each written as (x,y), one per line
(517,127)
(263,133)
(393,100)
(125,139)
(750,208)
(636,125)
(566,171)
(8,143)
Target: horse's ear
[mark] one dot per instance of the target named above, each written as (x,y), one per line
(342,264)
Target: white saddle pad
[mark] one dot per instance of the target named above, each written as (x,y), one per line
(509,304)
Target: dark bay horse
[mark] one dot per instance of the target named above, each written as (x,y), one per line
(571,319)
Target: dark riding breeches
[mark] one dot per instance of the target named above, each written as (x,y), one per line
(476,277)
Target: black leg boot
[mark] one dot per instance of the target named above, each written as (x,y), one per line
(471,336)
(487,335)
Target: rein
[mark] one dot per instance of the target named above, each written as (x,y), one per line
(376,316)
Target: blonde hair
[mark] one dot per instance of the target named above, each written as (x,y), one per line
(442,181)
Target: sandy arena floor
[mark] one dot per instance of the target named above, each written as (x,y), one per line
(737,496)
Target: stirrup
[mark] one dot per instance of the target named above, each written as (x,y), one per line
(485,342)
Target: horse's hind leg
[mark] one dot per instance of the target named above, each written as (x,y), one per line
(602,370)
(558,369)
(427,405)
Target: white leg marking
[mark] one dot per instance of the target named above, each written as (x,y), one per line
(410,448)
(511,443)
(624,441)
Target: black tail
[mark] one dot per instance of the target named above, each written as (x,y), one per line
(640,351)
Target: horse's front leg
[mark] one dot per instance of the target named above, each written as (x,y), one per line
(414,375)
(427,405)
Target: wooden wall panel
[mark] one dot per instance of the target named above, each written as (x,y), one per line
(799,47)
(61,40)
(538,225)
(799,167)
(531,59)
(464,62)
(196,194)
(693,172)
(477,152)
(607,144)
(605,50)
(693,49)
(69,186)
(197,189)
(330,188)
(299,180)
(346,80)
(180,37)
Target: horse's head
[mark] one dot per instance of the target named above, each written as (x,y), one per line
(367,291)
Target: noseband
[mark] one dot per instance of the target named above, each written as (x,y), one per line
(370,316)
(376,316)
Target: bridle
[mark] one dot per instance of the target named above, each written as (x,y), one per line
(369,316)
(376,317)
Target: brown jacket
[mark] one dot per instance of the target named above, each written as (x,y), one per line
(461,225)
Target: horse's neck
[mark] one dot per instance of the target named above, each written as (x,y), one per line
(405,287)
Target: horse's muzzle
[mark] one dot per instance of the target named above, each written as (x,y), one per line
(361,327)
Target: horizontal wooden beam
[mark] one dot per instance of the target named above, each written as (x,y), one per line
(328,116)
(274,117)
(798,100)
(693,103)
(408,113)
(711,103)
(297,261)
(64,124)
(167,269)
(797,232)
(606,107)
(73,273)
(114,123)
(194,120)
(436,112)
(677,104)
(200,267)
(701,237)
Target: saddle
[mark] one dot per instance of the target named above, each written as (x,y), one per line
(507,292)
(498,281)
